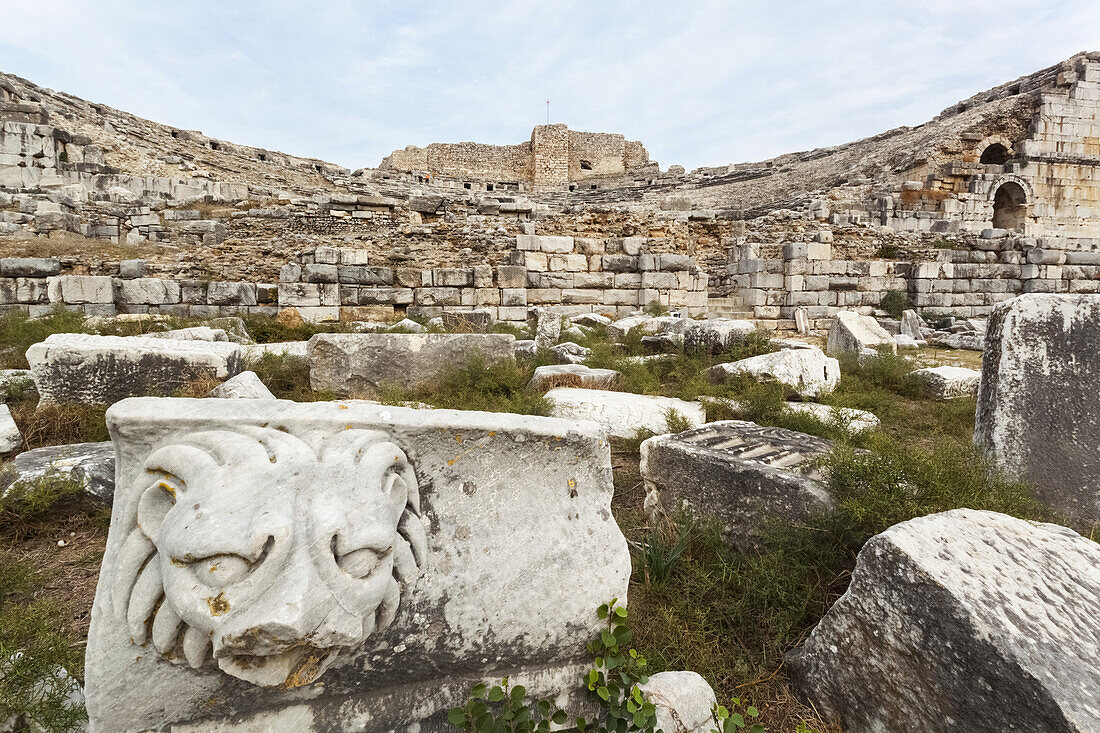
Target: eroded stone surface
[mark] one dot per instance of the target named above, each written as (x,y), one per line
(716,334)
(684,702)
(73,367)
(11,440)
(852,332)
(622,414)
(808,371)
(90,464)
(947,382)
(737,471)
(967,618)
(577,375)
(347,363)
(397,555)
(1039,406)
(244,386)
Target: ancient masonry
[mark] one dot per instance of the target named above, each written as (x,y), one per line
(554,157)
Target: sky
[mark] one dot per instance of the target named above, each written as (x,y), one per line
(700,83)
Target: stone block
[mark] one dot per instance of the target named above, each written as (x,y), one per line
(947,382)
(91,465)
(573,375)
(244,386)
(809,372)
(31,290)
(70,367)
(989,598)
(1038,407)
(511,276)
(231,293)
(320,273)
(351,363)
(80,289)
(622,414)
(149,291)
(383,577)
(308,295)
(715,335)
(853,332)
(739,472)
(620,263)
(472,321)
(29,266)
(363,275)
(593,279)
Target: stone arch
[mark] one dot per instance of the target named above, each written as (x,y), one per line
(995,150)
(1010,206)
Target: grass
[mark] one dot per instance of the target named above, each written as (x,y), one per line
(895,303)
(287,377)
(63,244)
(268,330)
(18,331)
(25,501)
(477,385)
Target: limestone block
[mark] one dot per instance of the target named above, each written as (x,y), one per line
(11,440)
(29,266)
(283,349)
(306,295)
(79,289)
(376,558)
(716,334)
(1008,610)
(537,296)
(622,414)
(149,291)
(573,375)
(852,332)
(231,293)
(1038,406)
(684,700)
(946,382)
(809,372)
(912,325)
(244,386)
(30,290)
(588,296)
(71,367)
(193,333)
(290,273)
(453,277)
(320,273)
(511,276)
(547,328)
(969,342)
(348,363)
(92,465)
(739,472)
(620,263)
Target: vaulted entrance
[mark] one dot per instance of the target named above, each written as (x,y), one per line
(1010,207)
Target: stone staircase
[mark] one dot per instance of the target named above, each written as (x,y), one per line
(729,307)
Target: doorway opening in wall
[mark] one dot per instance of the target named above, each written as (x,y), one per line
(995,154)
(1009,207)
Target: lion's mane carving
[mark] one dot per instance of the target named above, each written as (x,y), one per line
(253,551)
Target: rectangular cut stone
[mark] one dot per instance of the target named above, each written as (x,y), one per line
(739,472)
(79,289)
(622,414)
(149,291)
(29,266)
(1038,405)
(353,363)
(73,367)
(241,572)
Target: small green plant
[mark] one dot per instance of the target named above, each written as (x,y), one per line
(661,554)
(729,720)
(888,251)
(656,308)
(895,302)
(676,422)
(612,682)
(943,244)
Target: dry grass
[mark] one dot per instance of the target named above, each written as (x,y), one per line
(67,245)
(59,424)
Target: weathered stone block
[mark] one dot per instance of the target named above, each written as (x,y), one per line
(807,371)
(852,332)
(351,363)
(79,289)
(622,414)
(306,295)
(947,382)
(358,552)
(1008,610)
(453,277)
(739,472)
(71,367)
(29,266)
(1038,407)
(92,465)
(149,291)
(573,375)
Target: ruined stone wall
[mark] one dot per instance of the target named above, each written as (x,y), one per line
(506,163)
(775,282)
(601,153)
(549,156)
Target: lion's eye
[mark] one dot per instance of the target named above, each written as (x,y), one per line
(219,571)
(361,563)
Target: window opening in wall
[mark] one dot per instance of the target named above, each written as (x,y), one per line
(466,185)
(488,187)
(586,165)
(214,145)
(995,154)
(262,157)
(1010,207)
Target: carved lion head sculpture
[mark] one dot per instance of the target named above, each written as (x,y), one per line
(253,551)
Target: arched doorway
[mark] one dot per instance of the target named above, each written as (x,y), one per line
(1009,207)
(995,154)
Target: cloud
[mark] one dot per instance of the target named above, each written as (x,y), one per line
(700,83)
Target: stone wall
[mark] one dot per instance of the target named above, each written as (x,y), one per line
(554,156)
(774,282)
(566,275)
